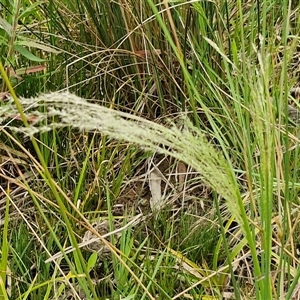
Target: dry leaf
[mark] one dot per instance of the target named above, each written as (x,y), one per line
(25,71)
(155,189)
(30,119)
(4,95)
(181,170)
(147,52)
(32,69)
(13,74)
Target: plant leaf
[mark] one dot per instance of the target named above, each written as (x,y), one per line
(6,26)
(27,54)
(182,171)
(155,188)
(29,70)
(32,9)
(92,261)
(36,45)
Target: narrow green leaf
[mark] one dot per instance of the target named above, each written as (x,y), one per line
(32,9)
(92,261)
(36,45)
(4,251)
(27,54)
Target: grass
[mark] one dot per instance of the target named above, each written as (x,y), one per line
(189,101)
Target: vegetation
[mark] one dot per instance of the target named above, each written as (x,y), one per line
(149,150)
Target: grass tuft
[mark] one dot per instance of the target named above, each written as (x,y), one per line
(111,106)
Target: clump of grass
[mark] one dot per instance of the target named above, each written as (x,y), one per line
(215,63)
